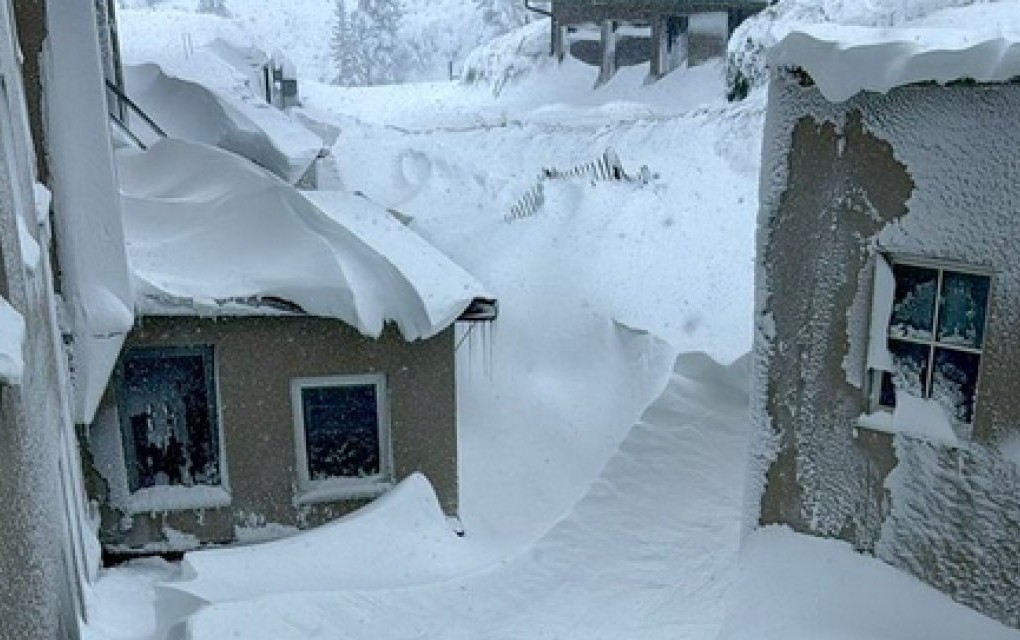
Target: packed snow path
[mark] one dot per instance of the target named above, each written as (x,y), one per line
(649,552)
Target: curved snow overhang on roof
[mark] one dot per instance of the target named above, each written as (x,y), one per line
(209,233)
(843,61)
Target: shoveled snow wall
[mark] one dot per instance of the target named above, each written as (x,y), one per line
(923,170)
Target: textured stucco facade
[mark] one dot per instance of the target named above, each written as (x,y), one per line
(925,171)
(255,359)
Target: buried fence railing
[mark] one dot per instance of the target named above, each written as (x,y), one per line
(605,168)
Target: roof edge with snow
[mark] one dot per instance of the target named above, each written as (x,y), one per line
(844,61)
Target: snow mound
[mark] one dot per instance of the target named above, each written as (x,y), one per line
(594,574)
(234,119)
(509,57)
(844,61)
(210,233)
(826,590)
(400,539)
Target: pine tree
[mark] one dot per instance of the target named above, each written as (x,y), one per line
(376,26)
(501,16)
(346,49)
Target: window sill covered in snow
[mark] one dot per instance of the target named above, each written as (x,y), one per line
(175,498)
(342,489)
(922,419)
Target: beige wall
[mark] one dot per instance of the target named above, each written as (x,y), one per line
(927,171)
(255,360)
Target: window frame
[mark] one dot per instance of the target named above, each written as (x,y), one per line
(874,375)
(181,497)
(310,490)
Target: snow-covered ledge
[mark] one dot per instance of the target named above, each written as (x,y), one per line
(174,498)
(340,489)
(920,418)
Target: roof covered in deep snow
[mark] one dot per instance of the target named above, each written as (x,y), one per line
(843,60)
(210,233)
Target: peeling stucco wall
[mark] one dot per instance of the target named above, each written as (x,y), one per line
(924,170)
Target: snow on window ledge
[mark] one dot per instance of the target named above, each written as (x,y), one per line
(919,418)
(175,498)
(342,489)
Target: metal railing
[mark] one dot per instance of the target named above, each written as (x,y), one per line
(119,120)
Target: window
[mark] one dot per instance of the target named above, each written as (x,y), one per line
(342,424)
(934,337)
(169,419)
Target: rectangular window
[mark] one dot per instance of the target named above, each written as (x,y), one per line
(169,418)
(935,337)
(342,429)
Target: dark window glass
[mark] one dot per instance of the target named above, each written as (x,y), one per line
(341,431)
(168,417)
(962,308)
(911,373)
(913,314)
(954,381)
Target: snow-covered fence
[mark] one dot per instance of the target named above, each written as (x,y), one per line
(605,168)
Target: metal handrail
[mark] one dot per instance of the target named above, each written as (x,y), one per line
(123,128)
(136,109)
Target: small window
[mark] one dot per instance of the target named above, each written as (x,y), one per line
(935,337)
(169,419)
(342,425)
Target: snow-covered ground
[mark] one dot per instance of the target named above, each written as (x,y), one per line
(588,513)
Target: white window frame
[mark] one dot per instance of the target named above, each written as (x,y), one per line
(874,375)
(331,489)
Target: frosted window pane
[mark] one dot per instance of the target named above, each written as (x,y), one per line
(962,309)
(911,373)
(954,381)
(168,418)
(913,314)
(341,431)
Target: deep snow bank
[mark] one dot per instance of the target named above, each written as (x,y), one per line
(649,552)
(797,587)
(208,233)
(240,122)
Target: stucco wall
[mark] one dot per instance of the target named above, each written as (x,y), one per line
(928,171)
(255,360)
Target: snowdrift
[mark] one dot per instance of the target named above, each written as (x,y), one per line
(240,123)
(209,233)
(400,539)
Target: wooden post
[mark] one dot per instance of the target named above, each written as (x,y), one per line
(558,40)
(658,62)
(608,68)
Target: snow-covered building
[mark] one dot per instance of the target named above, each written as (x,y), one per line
(241,354)
(293,358)
(887,404)
(53,131)
(663,34)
